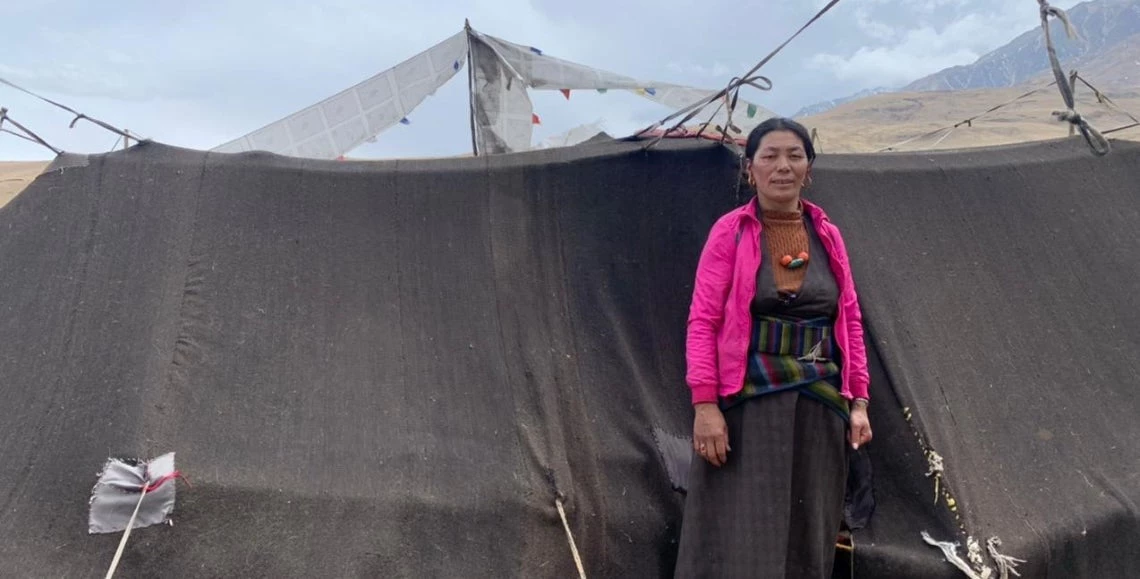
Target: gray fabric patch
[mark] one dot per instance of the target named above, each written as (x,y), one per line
(117,492)
(677,454)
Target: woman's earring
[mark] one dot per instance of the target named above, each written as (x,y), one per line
(807,182)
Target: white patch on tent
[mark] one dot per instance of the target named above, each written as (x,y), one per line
(116,494)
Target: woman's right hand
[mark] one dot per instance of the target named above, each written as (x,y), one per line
(710,434)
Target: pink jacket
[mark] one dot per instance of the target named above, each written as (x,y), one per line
(720,321)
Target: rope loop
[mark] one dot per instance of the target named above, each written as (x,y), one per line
(1096,141)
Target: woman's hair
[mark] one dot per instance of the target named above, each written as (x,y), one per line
(778,124)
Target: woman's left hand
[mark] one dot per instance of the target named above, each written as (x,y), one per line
(860,431)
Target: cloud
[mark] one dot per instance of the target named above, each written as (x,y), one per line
(916,53)
(876,29)
(909,39)
(887,67)
(931,6)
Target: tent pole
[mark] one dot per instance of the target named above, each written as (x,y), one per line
(471,88)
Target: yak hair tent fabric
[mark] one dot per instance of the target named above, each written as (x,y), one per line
(396,368)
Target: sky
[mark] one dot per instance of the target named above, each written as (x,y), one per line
(198,74)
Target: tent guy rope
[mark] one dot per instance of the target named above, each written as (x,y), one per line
(78,115)
(695,108)
(18,135)
(29,134)
(1102,98)
(968,122)
(1074,77)
(729,101)
(126,535)
(570,539)
(1118,129)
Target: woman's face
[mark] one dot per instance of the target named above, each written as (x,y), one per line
(779,169)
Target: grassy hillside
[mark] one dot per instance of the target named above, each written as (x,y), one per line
(15,175)
(881,121)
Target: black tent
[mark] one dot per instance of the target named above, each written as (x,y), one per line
(395,368)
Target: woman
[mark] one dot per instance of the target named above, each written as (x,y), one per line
(778,374)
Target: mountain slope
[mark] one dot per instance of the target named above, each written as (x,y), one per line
(1114,70)
(824,106)
(1102,26)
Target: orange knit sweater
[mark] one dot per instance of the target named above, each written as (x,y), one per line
(785,234)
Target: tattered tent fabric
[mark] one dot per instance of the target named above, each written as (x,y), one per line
(393,369)
(504,69)
(349,118)
(501,111)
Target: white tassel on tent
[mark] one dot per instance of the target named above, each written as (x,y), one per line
(950,551)
(935,469)
(1005,563)
(974,554)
